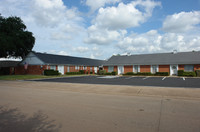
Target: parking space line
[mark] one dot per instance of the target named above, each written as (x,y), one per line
(183,78)
(164,78)
(145,78)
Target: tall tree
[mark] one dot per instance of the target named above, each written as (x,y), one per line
(15,40)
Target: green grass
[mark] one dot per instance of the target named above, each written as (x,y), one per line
(26,77)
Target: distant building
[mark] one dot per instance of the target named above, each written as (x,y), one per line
(7,67)
(160,62)
(36,63)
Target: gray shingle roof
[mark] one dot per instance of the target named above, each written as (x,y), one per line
(9,63)
(156,59)
(60,59)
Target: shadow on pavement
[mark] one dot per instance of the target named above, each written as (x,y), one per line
(12,120)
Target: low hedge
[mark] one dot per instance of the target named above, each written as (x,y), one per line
(102,72)
(108,73)
(188,74)
(180,72)
(114,73)
(162,73)
(148,73)
(51,72)
(139,73)
(130,73)
(73,73)
(82,71)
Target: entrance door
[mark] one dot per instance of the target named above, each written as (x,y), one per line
(120,70)
(174,69)
(61,69)
(154,69)
(95,69)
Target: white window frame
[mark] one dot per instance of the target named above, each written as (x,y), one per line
(189,70)
(53,67)
(110,68)
(76,67)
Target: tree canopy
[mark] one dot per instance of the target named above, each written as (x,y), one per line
(15,40)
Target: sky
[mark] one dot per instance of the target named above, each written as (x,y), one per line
(102,28)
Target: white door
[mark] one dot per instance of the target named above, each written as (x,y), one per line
(173,69)
(61,69)
(95,69)
(120,70)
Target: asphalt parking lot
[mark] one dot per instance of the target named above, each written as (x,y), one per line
(131,81)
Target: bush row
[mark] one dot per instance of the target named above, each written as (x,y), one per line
(103,72)
(148,73)
(73,73)
(187,74)
(51,72)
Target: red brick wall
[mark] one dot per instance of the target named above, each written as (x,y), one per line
(164,68)
(115,69)
(72,69)
(145,68)
(32,69)
(180,67)
(105,68)
(196,67)
(128,69)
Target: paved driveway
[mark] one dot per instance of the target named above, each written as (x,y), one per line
(29,106)
(132,81)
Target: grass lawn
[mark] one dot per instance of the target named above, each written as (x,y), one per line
(26,77)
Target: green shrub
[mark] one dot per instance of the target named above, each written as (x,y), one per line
(108,73)
(197,73)
(73,73)
(102,72)
(51,72)
(114,73)
(82,71)
(189,74)
(162,73)
(91,72)
(130,73)
(180,72)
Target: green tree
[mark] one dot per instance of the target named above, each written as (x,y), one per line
(15,40)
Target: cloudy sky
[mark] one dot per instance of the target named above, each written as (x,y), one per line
(101,28)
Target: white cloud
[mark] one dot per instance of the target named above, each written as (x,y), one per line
(81,49)
(125,15)
(182,22)
(101,36)
(152,42)
(58,52)
(52,12)
(94,5)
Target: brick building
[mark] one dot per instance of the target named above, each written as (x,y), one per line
(161,62)
(35,63)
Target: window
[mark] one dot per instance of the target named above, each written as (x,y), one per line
(91,69)
(76,67)
(53,67)
(110,68)
(189,68)
(85,68)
